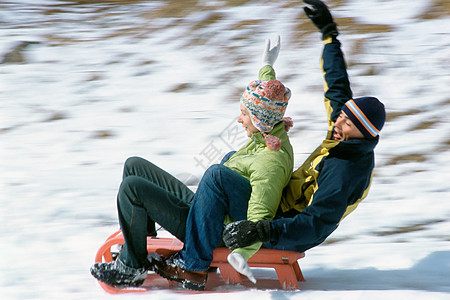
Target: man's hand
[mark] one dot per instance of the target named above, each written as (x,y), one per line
(245,233)
(321,17)
(271,55)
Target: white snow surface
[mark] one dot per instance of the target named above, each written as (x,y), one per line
(110,80)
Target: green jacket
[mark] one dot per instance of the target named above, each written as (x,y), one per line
(268,172)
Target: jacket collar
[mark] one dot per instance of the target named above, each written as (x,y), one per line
(278,130)
(354,148)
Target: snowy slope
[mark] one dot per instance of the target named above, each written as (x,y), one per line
(109,80)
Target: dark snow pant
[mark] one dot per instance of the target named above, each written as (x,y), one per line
(148,194)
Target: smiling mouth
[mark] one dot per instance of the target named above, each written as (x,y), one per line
(336,135)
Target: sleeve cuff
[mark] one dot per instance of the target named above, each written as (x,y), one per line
(267,73)
(328,40)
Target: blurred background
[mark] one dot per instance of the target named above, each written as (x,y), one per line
(86,84)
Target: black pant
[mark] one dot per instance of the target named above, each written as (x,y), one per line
(147,195)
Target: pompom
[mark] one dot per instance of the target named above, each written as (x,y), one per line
(288,123)
(273,143)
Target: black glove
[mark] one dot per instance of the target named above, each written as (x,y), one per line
(321,17)
(245,233)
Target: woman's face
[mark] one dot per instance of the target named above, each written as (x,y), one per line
(245,120)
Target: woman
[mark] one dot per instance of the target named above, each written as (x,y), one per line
(251,178)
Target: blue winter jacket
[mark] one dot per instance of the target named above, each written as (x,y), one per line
(333,180)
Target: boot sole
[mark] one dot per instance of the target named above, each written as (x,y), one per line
(184,283)
(193,286)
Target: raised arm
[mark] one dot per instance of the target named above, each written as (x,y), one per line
(336,83)
(317,221)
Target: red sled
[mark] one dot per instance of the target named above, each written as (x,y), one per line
(285,264)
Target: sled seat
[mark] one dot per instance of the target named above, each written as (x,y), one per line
(285,263)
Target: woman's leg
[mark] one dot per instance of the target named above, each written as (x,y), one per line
(221,191)
(227,157)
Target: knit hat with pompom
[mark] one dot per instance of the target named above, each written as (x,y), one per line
(266,102)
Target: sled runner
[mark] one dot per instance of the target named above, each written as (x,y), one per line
(285,264)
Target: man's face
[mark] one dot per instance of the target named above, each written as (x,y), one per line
(244,119)
(344,129)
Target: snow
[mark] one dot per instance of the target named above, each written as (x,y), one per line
(103,85)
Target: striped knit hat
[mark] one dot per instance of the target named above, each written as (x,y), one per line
(367,113)
(266,102)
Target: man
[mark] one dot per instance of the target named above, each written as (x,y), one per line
(337,175)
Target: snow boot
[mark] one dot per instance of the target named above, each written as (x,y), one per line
(166,268)
(116,273)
